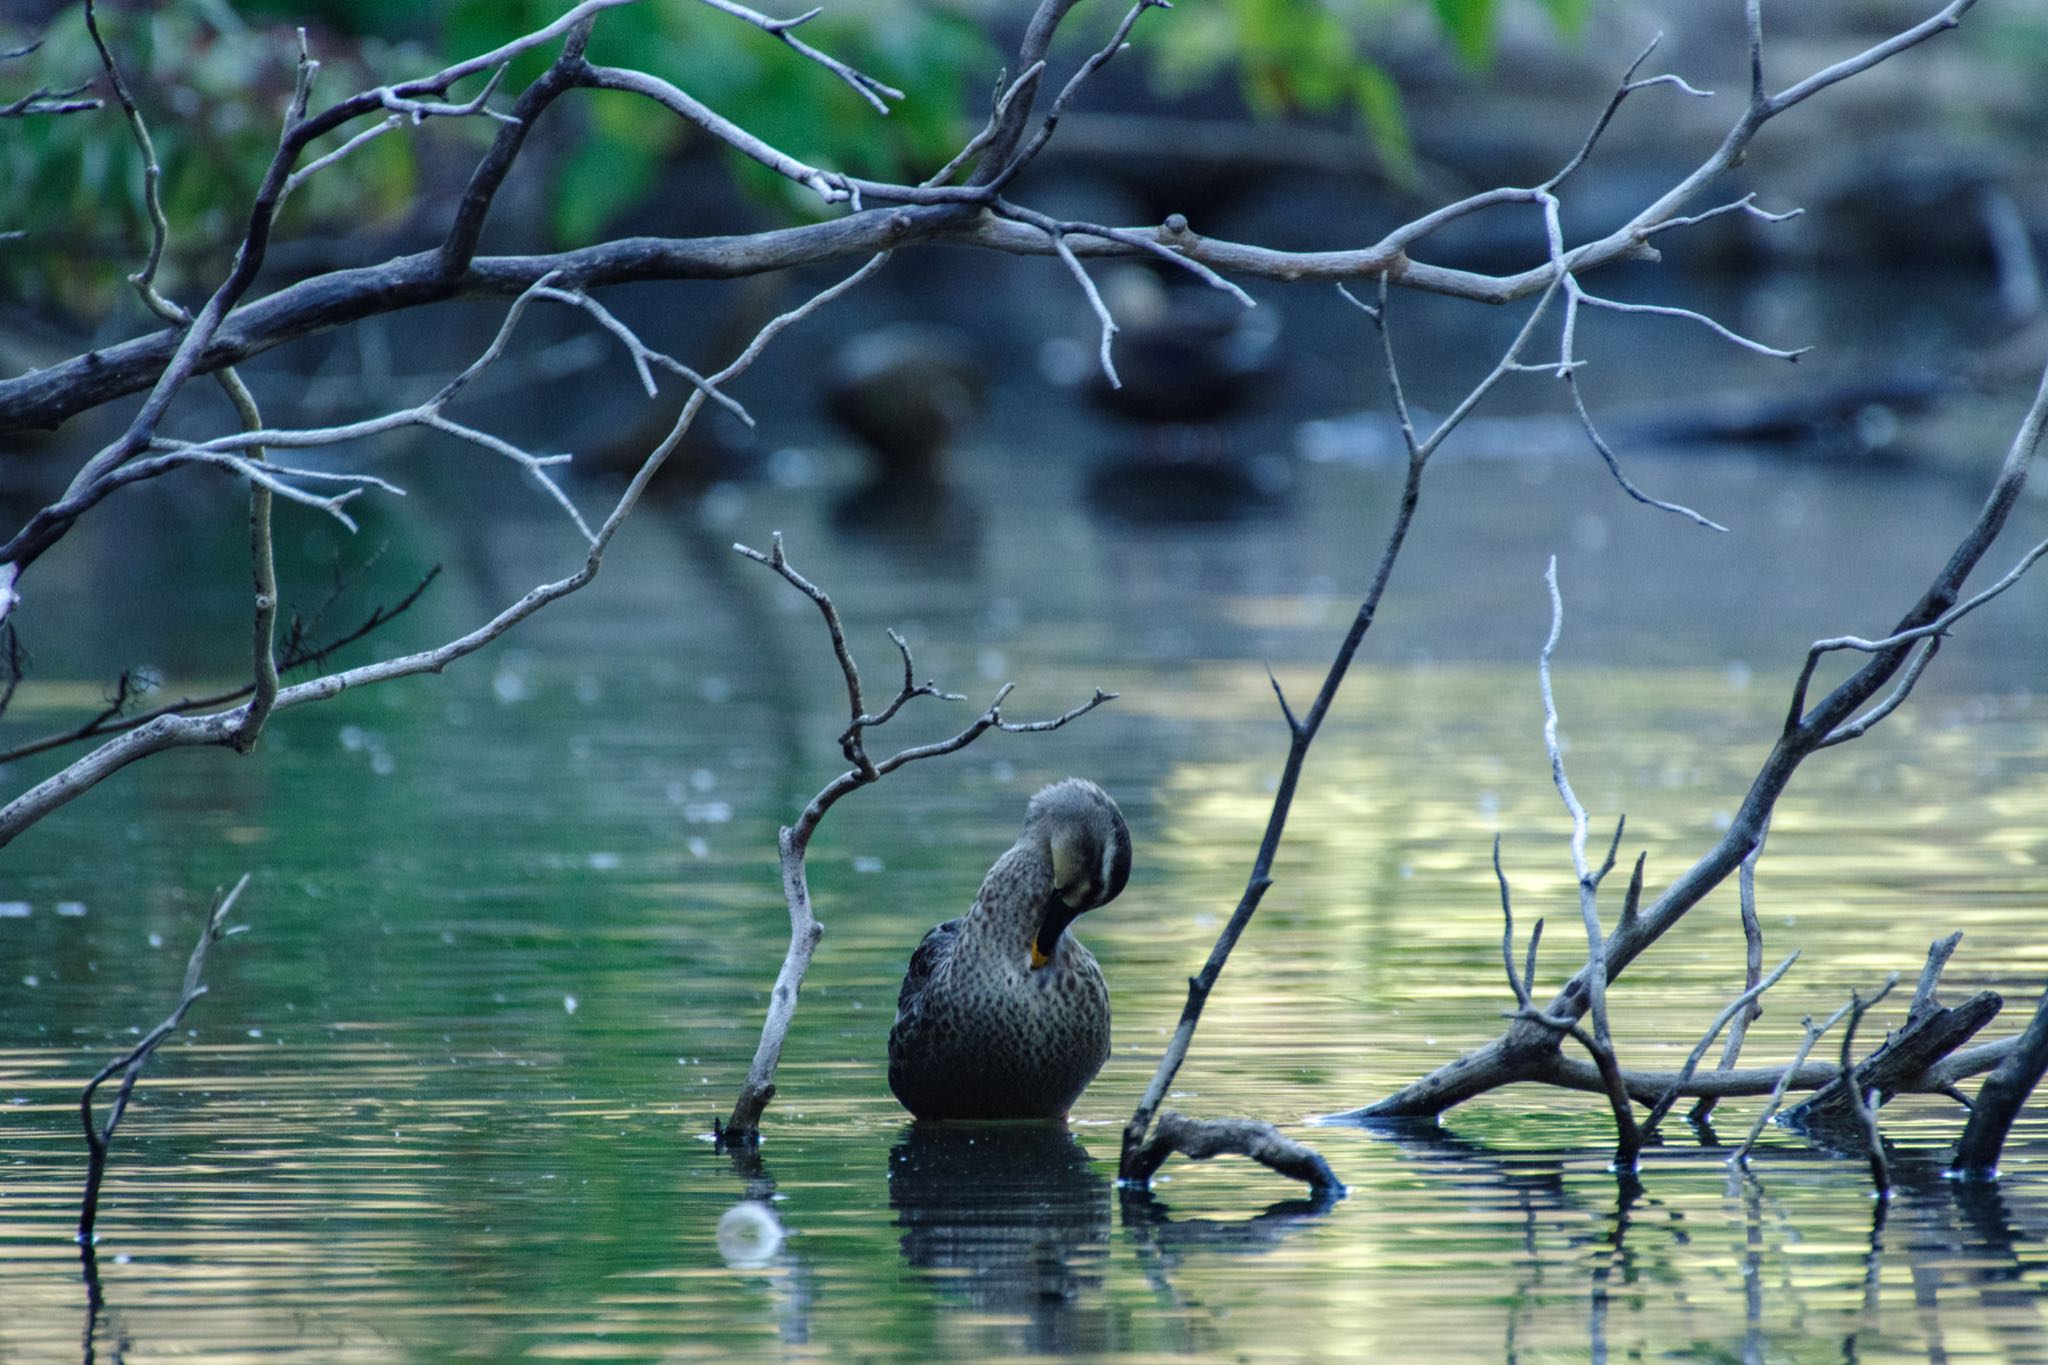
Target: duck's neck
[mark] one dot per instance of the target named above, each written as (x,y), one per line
(1007,913)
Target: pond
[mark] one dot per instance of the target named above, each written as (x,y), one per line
(510,929)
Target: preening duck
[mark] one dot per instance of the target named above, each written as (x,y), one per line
(1003,1014)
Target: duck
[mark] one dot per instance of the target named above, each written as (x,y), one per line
(904,393)
(1003,1013)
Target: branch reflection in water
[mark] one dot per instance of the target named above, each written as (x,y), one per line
(752,1240)
(1958,1244)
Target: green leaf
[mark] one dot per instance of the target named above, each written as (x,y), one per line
(1379,104)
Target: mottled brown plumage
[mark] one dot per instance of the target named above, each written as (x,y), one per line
(1003,1014)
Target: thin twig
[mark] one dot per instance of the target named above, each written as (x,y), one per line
(297,654)
(130,1063)
(1739,1006)
(1753,966)
(1865,1106)
(1589,883)
(867,87)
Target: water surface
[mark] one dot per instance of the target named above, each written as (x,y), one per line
(511,930)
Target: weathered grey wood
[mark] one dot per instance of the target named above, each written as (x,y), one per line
(1999,1099)
(1901,1063)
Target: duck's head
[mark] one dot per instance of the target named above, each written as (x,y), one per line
(1090,849)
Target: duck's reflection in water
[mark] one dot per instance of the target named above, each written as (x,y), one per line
(1016,1221)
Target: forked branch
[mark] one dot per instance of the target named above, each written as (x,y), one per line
(99,1138)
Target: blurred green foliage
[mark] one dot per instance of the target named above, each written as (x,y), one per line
(1297,57)
(213,88)
(212,79)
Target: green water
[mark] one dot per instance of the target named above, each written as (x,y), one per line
(510,933)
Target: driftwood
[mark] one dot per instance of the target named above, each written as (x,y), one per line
(1999,1099)
(1901,1063)
(1201,1139)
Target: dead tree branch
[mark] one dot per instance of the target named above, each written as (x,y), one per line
(130,1063)
(1903,1059)
(1201,1139)
(794,840)
(1528,1050)
(1753,966)
(1861,1101)
(43,100)
(1999,1099)
(300,651)
(1738,1008)
(220,728)
(1786,1078)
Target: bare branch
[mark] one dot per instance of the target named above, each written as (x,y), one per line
(1865,1106)
(1201,1139)
(980,140)
(178,731)
(1614,463)
(44,100)
(1856,728)
(1150,245)
(1395,392)
(1938,954)
(1529,1051)
(1661,310)
(1059,105)
(339,154)
(1109,327)
(642,354)
(418,111)
(1812,1035)
(829,187)
(1629,85)
(1999,1099)
(1507,934)
(1753,964)
(1589,884)
(298,653)
(1293,725)
(1745,205)
(1932,630)
(1740,1005)
(1301,737)
(866,86)
(130,1063)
